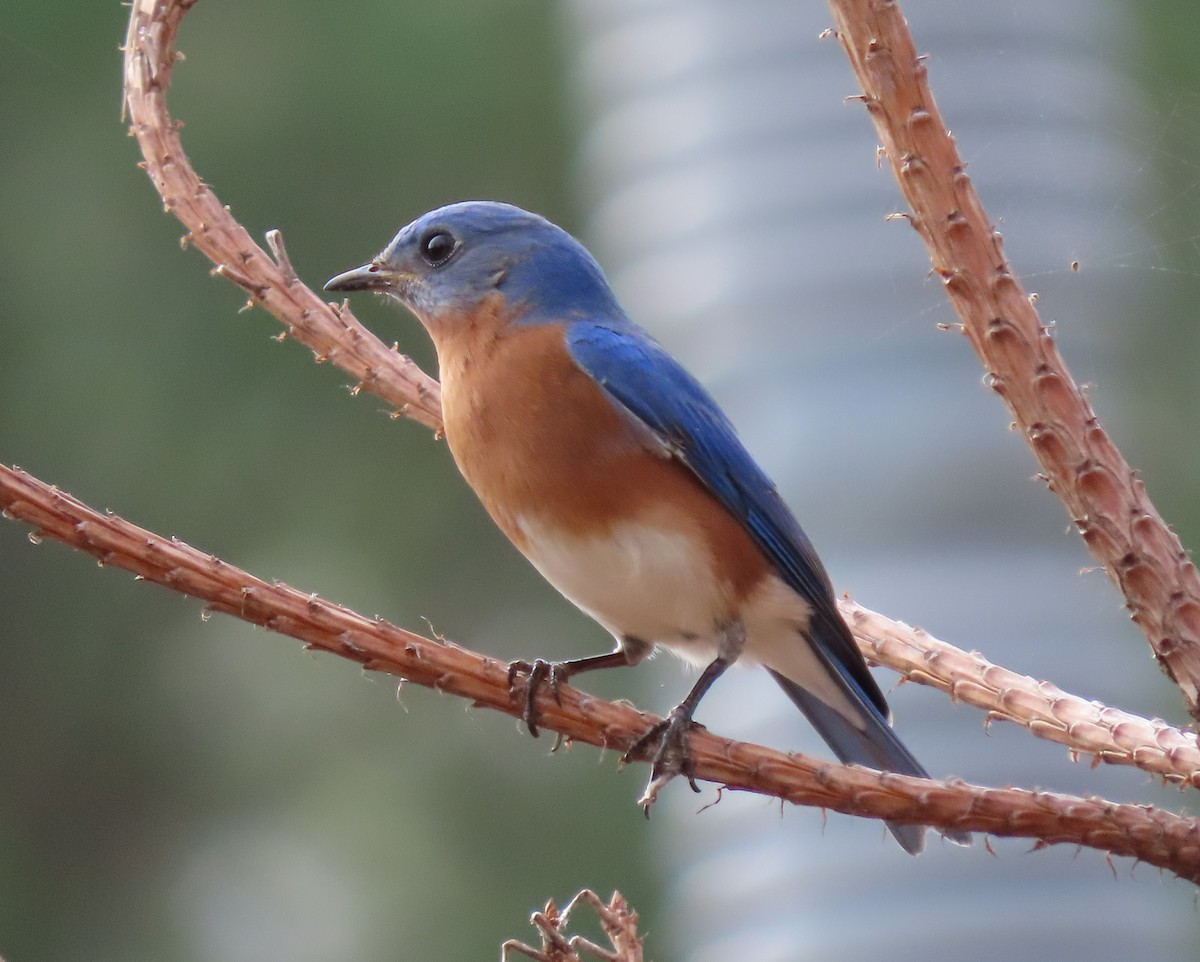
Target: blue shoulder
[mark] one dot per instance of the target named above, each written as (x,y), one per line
(638,373)
(640,376)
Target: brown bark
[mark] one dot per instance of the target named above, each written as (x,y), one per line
(1103,495)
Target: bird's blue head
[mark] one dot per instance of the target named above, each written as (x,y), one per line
(444,265)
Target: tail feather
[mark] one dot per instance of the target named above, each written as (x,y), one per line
(874,745)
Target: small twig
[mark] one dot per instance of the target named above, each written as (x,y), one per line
(255,289)
(555,947)
(279,252)
(618,920)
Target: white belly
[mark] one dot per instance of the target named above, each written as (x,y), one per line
(652,584)
(640,581)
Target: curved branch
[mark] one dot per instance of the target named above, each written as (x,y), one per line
(332,332)
(1103,495)
(1142,832)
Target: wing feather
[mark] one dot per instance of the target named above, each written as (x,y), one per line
(640,376)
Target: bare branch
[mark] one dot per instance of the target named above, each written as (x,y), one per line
(1102,494)
(1085,727)
(1151,835)
(618,920)
(332,332)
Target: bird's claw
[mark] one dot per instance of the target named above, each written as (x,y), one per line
(671,757)
(538,673)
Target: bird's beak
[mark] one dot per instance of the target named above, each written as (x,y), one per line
(369,277)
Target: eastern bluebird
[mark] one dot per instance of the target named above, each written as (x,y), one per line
(615,473)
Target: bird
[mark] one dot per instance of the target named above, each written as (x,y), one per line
(614,471)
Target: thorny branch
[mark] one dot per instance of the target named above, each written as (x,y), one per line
(1148,834)
(1083,468)
(1103,495)
(332,332)
(1085,727)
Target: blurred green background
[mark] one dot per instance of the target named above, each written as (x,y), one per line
(173,788)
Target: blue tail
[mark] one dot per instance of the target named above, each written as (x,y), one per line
(874,745)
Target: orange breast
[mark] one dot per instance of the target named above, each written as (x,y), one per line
(539,441)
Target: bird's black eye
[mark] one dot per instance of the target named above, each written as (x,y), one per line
(437,246)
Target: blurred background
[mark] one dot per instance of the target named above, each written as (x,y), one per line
(175,788)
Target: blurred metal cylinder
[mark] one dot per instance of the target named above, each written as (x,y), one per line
(734,198)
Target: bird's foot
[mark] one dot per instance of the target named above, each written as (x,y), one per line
(671,756)
(538,673)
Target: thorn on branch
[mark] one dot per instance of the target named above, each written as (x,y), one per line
(242,281)
(279,252)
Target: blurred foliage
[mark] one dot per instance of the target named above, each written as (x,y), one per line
(175,788)
(1164,338)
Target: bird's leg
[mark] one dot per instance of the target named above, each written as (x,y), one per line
(630,651)
(671,756)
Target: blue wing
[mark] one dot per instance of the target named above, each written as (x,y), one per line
(651,385)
